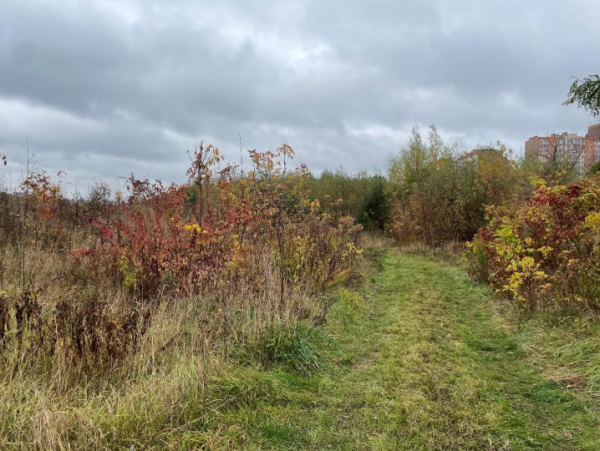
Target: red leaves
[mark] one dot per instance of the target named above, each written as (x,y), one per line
(211,231)
(225,227)
(105,232)
(549,232)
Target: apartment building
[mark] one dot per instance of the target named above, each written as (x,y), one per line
(583,151)
(593,132)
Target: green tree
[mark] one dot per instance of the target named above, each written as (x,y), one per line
(438,198)
(364,196)
(595,168)
(442,194)
(376,207)
(414,163)
(586,94)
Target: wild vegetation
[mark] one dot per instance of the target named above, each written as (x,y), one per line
(100,291)
(544,253)
(236,312)
(439,194)
(364,196)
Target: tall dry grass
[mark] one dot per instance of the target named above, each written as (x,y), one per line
(177,374)
(119,318)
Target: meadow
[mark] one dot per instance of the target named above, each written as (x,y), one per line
(448,304)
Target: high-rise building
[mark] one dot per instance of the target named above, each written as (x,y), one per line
(593,131)
(581,151)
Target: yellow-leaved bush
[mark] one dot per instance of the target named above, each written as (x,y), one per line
(546,251)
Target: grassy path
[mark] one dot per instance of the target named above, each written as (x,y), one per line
(417,359)
(422,364)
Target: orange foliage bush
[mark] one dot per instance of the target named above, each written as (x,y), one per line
(163,240)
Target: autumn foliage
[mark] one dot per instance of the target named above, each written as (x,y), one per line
(213,233)
(546,252)
(223,235)
(439,194)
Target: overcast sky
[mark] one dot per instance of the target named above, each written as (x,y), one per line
(106,87)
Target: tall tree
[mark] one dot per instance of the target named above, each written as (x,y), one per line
(586,94)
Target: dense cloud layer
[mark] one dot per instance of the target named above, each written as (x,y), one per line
(103,88)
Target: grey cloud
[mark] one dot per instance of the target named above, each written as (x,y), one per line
(135,83)
(507,46)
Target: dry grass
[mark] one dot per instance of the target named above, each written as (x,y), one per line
(414,360)
(178,377)
(118,318)
(174,373)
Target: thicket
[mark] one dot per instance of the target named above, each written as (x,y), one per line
(544,253)
(120,312)
(439,194)
(366,196)
(82,280)
(531,233)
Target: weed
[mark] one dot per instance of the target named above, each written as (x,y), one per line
(292,346)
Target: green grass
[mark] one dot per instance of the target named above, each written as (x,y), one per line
(423,361)
(417,359)
(294,346)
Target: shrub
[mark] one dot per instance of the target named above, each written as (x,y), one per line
(365,197)
(86,291)
(545,252)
